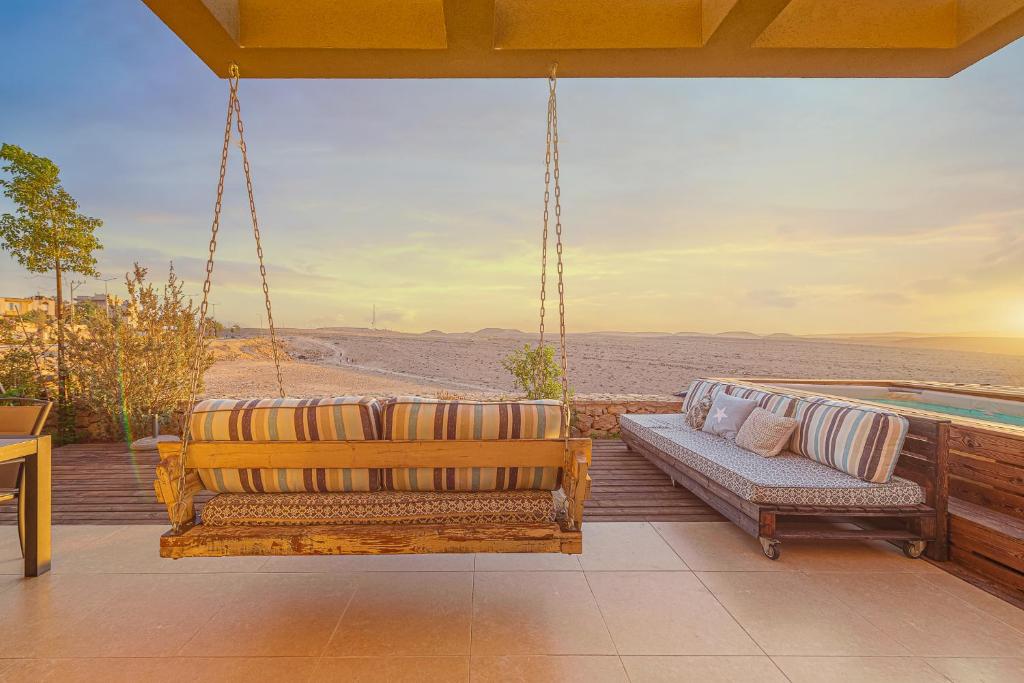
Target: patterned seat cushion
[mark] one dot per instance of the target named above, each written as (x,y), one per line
(340,418)
(787,479)
(425,419)
(383,507)
(863,441)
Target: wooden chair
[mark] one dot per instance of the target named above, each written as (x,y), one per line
(19,417)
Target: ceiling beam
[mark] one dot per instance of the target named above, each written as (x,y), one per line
(744,21)
(662,39)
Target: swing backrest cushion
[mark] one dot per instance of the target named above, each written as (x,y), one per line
(341,418)
(424,419)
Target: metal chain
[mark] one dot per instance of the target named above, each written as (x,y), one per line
(179,507)
(234,116)
(566,413)
(256,233)
(542,367)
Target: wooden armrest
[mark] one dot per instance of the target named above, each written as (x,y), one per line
(576,484)
(166,487)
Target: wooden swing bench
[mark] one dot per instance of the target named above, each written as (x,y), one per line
(263,535)
(324,477)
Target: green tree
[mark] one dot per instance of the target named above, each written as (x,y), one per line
(535,371)
(46,233)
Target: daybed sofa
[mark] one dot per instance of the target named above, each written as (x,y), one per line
(893,486)
(358,475)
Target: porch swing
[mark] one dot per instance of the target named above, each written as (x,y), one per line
(347,476)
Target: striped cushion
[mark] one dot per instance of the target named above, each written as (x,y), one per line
(342,418)
(699,389)
(425,419)
(472,478)
(853,439)
(780,404)
(385,507)
(290,480)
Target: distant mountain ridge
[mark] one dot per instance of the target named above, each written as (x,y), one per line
(977,343)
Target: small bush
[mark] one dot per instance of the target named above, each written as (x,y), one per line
(26,367)
(136,362)
(535,371)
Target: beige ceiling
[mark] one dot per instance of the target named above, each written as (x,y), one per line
(592,38)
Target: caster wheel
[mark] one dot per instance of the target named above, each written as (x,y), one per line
(913,549)
(770,548)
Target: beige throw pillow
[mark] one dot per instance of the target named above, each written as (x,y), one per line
(698,413)
(765,433)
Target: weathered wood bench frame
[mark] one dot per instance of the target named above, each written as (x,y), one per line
(919,528)
(196,540)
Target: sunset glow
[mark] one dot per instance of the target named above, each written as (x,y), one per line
(802,206)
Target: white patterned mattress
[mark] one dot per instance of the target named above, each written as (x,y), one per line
(787,479)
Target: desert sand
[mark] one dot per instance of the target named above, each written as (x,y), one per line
(370,362)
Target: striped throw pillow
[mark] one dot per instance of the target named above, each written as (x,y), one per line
(290,480)
(780,404)
(341,418)
(699,389)
(863,442)
(425,419)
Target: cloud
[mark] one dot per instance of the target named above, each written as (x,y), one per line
(771,297)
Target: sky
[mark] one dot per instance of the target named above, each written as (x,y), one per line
(769,205)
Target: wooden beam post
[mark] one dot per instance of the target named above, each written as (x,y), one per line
(37,509)
(939,549)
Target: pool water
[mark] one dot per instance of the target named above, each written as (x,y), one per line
(974,413)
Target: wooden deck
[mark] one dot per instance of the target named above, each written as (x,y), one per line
(107,484)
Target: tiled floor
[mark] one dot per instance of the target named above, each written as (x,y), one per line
(667,601)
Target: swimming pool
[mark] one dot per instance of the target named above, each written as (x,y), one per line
(973,413)
(971,403)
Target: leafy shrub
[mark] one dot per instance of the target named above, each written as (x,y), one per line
(136,362)
(26,368)
(535,371)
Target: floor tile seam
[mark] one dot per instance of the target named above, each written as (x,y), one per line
(974,607)
(779,668)
(929,665)
(852,606)
(337,624)
(213,614)
(732,616)
(671,547)
(604,621)
(472,608)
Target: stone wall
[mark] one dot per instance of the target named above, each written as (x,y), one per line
(599,419)
(92,427)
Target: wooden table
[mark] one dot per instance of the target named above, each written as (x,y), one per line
(35,450)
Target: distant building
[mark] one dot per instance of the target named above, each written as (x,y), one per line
(13,306)
(99,300)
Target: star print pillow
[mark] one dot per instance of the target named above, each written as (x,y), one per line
(727,415)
